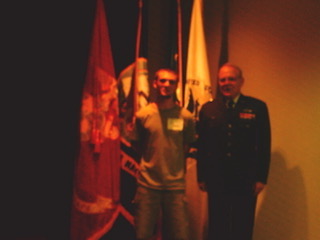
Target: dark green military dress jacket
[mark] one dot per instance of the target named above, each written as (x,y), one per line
(233,145)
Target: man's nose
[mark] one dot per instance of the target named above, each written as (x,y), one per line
(228,81)
(166,83)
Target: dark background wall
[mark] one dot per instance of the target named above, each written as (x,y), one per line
(45,61)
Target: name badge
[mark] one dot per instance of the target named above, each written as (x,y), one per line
(175,124)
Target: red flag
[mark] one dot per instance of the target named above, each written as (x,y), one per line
(97,169)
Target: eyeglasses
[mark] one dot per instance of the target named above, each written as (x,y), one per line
(232,79)
(171,82)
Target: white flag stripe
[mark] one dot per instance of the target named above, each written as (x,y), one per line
(198,84)
(197,92)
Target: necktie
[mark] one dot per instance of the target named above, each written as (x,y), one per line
(230,104)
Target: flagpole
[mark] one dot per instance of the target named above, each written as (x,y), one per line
(179,57)
(137,55)
(224,55)
(224,46)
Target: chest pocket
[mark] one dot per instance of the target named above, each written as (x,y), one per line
(247,119)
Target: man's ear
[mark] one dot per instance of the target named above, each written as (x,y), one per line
(242,81)
(154,84)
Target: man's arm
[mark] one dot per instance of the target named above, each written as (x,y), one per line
(258,187)
(263,148)
(200,153)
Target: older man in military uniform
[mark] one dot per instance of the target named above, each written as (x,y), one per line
(233,156)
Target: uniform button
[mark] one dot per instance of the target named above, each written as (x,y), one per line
(229,133)
(229,125)
(229,144)
(228,154)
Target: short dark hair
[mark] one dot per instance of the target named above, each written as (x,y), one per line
(156,75)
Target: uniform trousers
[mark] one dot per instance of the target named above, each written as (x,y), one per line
(231,216)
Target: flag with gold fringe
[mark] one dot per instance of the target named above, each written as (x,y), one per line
(96,191)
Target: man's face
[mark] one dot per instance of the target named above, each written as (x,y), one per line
(229,81)
(166,84)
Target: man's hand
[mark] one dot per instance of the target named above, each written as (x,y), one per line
(202,186)
(258,187)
